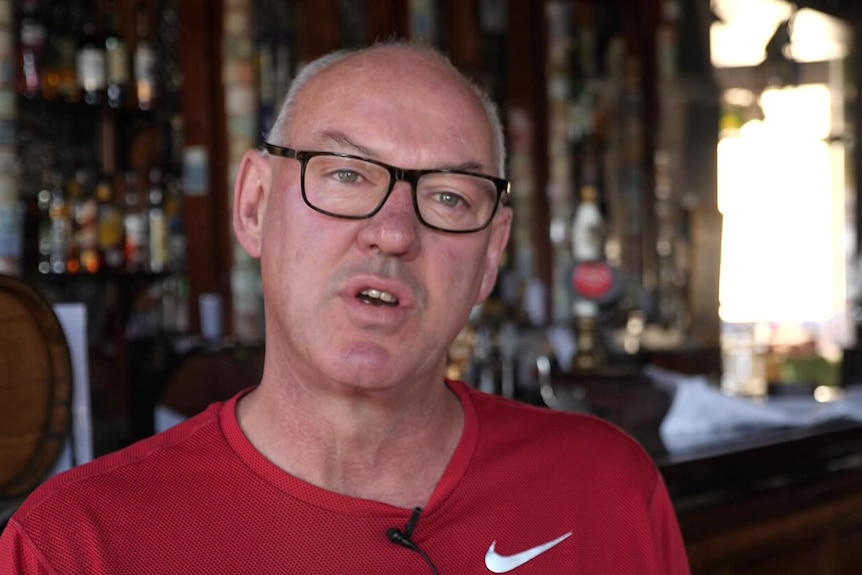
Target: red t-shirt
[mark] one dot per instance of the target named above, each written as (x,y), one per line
(528,491)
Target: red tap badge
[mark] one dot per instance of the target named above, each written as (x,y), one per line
(595,280)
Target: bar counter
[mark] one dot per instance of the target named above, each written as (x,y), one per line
(778,501)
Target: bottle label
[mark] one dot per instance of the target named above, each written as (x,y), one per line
(32,34)
(117,64)
(111,237)
(91,69)
(158,242)
(145,74)
(61,231)
(587,233)
(86,224)
(136,233)
(61,78)
(110,230)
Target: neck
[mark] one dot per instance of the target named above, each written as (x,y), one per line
(383,446)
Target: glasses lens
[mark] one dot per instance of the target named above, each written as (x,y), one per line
(344,186)
(456,202)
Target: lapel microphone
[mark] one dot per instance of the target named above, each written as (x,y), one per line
(403,538)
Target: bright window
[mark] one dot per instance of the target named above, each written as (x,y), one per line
(788,237)
(780,204)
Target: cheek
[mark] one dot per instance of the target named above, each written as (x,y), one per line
(289,272)
(289,258)
(284,253)
(458,273)
(286,236)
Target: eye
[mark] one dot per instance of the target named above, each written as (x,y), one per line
(450,200)
(347,176)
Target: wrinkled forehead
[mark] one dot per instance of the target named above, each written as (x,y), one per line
(400,94)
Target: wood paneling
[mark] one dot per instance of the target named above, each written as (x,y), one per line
(388,19)
(318,31)
(811,529)
(465,41)
(526,88)
(205,214)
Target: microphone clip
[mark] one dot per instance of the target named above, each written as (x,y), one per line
(403,538)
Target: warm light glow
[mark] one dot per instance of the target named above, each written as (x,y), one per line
(779,201)
(747,25)
(744,30)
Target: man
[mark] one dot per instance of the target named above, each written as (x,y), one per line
(353,455)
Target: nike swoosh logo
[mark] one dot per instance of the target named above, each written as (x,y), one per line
(497,563)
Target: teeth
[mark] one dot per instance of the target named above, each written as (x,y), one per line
(383,296)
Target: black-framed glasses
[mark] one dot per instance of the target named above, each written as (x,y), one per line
(352,187)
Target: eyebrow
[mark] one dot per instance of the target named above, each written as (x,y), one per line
(342,139)
(360,150)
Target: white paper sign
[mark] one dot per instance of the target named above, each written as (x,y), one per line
(73,319)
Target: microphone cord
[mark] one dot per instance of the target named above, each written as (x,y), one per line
(403,538)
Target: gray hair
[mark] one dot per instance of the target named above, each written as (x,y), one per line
(312,69)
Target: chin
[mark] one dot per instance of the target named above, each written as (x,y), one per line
(374,372)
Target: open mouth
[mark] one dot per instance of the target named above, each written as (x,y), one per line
(373,296)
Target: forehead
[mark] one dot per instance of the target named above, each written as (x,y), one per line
(395,98)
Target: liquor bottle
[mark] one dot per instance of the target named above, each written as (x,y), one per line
(588,227)
(31,47)
(175,305)
(145,59)
(61,225)
(134,226)
(110,234)
(589,279)
(60,82)
(74,192)
(167,40)
(116,59)
(91,61)
(43,203)
(86,224)
(157,225)
(176,228)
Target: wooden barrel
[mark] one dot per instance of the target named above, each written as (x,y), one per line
(35,389)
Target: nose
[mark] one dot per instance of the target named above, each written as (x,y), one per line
(394,230)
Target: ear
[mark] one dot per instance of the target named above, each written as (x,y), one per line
(251,192)
(500,229)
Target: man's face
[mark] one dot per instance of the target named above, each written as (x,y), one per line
(369,304)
